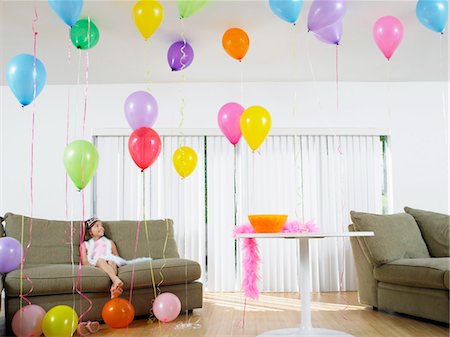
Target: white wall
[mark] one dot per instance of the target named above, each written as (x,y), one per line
(413,112)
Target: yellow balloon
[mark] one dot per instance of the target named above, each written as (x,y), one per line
(184,160)
(60,321)
(147,16)
(255,125)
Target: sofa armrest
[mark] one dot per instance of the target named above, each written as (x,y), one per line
(367,285)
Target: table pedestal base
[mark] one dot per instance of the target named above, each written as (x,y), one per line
(313,332)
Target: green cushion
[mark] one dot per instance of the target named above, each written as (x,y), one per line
(50,239)
(52,279)
(435,228)
(165,272)
(397,236)
(123,233)
(429,273)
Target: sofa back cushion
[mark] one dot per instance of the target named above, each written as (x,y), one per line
(50,239)
(160,235)
(397,236)
(2,231)
(435,228)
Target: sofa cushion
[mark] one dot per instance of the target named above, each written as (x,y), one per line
(397,236)
(169,271)
(421,273)
(123,233)
(435,228)
(2,231)
(50,242)
(53,279)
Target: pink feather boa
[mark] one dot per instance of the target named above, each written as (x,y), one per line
(251,258)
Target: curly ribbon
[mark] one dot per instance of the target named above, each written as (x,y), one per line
(183,77)
(86,87)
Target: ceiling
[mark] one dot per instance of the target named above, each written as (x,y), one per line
(279,52)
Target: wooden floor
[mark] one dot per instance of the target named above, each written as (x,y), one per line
(222,316)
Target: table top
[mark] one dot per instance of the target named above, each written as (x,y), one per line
(317,235)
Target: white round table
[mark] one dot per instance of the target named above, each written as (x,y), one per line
(306,328)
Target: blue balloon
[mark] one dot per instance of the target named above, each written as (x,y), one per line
(20,76)
(288,10)
(68,10)
(433,14)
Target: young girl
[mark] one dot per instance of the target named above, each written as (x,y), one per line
(102,252)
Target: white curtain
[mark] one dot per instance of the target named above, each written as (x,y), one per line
(307,177)
(119,191)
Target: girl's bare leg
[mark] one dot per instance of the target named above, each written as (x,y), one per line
(112,273)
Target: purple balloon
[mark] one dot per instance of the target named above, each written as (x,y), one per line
(323,13)
(180,55)
(11,253)
(141,110)
(330,34)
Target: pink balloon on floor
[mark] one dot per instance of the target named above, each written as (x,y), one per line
(30,324)
(166,307)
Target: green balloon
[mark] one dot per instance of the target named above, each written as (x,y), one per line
(80,161)
(186,8)
(81,30)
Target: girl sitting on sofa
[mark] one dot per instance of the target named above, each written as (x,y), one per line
(102,252)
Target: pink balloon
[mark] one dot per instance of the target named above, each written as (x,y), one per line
(166,307)
(30,325)
(388,33)
(229,118)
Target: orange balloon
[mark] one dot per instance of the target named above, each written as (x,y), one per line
(235,42)
(118,313)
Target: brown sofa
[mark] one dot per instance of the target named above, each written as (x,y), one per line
(48,264)
(405,267)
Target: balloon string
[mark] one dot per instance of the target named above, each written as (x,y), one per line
(86,91)
(151,317)
(242,83)
(242,322)
(444,83)
(337,94)
(22,274)
(313,75)
(183,65)
(164,259)
(79,282)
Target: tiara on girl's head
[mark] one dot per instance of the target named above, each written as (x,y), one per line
(90,222)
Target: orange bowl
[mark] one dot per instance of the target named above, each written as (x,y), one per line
(267,223)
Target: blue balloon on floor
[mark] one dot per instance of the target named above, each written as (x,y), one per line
(21,77)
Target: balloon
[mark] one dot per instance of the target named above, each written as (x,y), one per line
(21,76)
(84,34)
(141,110)
(11,253)
(68,10)
(331,34)
(323,13)
(184,160)
(166,307)
(27,322)
(60,321)
(388,33)
(288,10)
(118,313)
(147,16)
(144,146)
(255,125)
(235,42)
(433,14)
(180,55)
(80,161)
(229,118)
(186,8)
